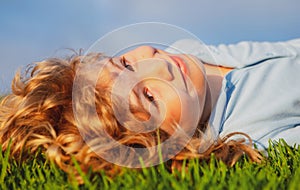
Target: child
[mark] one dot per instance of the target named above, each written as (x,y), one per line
(118,111)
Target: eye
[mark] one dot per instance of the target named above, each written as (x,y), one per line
(150,97)
(127,66)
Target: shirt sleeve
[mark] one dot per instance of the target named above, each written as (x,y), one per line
(238,55)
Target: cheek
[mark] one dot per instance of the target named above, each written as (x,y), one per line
(184,111)
(173,109)
(178,105)
(170,104)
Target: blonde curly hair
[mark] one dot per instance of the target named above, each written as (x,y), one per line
(38,114)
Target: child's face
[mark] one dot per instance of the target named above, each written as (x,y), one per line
(168,86)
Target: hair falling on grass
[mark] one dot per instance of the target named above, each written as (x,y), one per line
(39,115)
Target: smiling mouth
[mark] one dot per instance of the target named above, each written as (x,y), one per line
(182,67)
(180,63)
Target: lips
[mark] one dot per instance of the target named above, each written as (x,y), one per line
(180,63)
(182,67)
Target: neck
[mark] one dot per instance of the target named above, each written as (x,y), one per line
(215,75)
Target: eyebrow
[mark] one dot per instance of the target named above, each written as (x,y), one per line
(115,64)
(139,101)
(139,106)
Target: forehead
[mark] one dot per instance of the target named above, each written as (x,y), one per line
(108,70)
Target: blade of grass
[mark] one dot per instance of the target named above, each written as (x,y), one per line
(5,163)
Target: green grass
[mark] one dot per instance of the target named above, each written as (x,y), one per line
(281,170)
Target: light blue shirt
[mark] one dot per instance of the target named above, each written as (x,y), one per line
(261,96)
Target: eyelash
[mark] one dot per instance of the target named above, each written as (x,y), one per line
(150,97)
(127,66)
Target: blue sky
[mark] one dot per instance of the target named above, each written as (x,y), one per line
(33,30)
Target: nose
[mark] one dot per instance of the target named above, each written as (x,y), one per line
(142,52)
(147,64)
(160,69)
